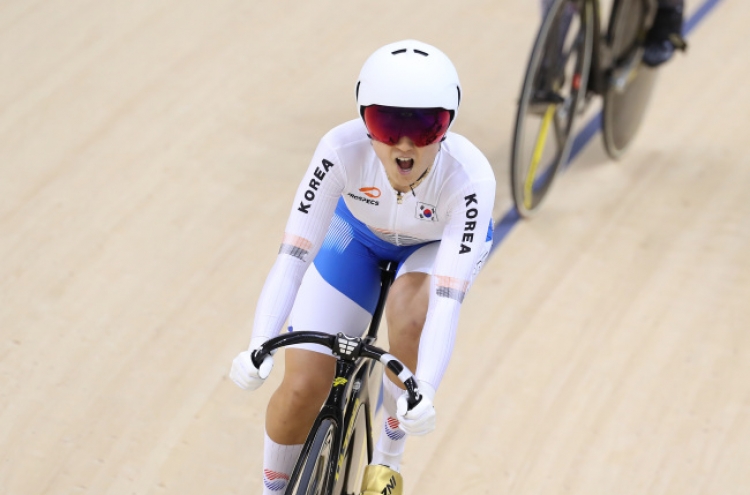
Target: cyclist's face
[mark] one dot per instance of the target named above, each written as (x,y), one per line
(404,162)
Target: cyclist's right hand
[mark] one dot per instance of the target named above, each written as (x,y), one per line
(420,420)
(245,374)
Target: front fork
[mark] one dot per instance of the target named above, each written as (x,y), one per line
(347,396)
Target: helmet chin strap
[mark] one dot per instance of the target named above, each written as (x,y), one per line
(419,180)
(399,195)
(423,176)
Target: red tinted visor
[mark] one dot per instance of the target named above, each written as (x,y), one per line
(422,125)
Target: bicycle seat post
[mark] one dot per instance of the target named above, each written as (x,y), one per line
(387,276)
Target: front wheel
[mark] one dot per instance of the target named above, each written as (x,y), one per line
(552,95)
(357,454)
(314,473)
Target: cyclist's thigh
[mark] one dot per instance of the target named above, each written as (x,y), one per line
(340,289)
(323,308)
(423,259)
(409,289)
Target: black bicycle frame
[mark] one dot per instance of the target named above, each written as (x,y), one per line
(346,395)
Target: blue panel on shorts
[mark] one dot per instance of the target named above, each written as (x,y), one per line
(349,257)
(490,231)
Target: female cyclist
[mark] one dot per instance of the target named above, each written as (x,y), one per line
(393,184)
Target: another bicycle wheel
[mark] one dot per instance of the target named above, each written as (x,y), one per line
(553,91)
(314,467)
(630,83)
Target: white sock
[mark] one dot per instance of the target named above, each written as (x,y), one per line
(278,464)
(392,440)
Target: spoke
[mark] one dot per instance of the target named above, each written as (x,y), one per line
(537,156)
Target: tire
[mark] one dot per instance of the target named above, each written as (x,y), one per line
(560,61)
(630,83)
(357,455)
(314,466)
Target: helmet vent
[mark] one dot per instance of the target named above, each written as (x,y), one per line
(404,50)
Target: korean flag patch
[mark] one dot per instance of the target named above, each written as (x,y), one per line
(426,212)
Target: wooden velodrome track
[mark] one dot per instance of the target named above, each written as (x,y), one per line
(148,155)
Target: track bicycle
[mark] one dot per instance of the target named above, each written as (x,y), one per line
(340,443)
(571,61)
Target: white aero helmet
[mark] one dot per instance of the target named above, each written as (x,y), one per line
(409,74)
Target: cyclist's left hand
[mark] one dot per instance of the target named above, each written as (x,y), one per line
(421,419)
(244,373)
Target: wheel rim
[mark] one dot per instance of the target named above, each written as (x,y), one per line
(542,135)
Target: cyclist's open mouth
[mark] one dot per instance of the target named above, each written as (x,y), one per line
(405,164)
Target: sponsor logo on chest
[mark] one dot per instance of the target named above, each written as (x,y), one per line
(372,194)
